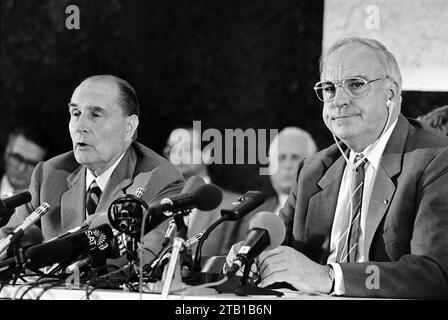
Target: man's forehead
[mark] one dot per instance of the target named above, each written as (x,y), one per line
(27,148)
(95,90)
(352,60)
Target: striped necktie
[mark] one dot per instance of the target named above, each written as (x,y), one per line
(350,236)
(92,198)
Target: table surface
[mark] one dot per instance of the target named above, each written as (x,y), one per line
(64,293)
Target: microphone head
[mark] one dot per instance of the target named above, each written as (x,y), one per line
(17,199)
(272,224)
(210,197)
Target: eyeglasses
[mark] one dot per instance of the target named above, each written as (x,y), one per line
(17,159)
(355,87)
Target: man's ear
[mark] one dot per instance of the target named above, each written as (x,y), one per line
(392,91)
(131,126)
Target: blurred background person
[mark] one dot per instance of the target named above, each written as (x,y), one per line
(286,149)
(26,147)
(437,119)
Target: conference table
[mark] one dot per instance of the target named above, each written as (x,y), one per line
(64,293)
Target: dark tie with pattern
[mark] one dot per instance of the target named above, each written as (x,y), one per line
(357,189)
(349,240)
(92,198)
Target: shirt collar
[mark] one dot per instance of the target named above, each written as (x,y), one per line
(374,151)
(5,187)
(103,178)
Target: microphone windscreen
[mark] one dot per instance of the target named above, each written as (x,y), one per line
(210,197)
(16,200)
(273,224)
(68,248)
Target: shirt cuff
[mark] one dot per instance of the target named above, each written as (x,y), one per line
(339,288)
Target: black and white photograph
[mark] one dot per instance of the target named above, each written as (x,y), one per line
(231,158)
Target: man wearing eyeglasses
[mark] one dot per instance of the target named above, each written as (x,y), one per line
(368,216)
(26,147)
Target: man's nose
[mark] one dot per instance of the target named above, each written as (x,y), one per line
(341,98)
(82,124)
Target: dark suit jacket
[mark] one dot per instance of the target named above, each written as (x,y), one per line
(406,236)
(60,181)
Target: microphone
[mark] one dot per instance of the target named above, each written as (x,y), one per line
(126,214)
(19,231)
(7,205)
(95,258)
(266,232)
(169,233)
(118,241)
(243,205)
(68,248)
(195,194)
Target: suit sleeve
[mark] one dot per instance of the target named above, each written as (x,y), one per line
(165,181)
(423,273)
(287,212)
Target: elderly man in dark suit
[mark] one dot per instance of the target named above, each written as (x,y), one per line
(105,162)
(367,216)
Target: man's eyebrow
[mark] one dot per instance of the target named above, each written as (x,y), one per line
(92,108)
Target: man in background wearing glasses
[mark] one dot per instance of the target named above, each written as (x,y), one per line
(368,216)
(26,147)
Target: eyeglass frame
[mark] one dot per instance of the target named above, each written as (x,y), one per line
(19,159)
(340,83)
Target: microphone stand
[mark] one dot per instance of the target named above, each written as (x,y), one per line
(19,260)
(176,255)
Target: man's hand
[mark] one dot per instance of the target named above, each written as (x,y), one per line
(284,264)
(232,255)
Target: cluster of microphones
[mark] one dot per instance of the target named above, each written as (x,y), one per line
(117,232)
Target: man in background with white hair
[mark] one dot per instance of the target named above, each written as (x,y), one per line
(286,149)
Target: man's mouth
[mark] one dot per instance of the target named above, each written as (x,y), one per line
(82,145)
(342,117)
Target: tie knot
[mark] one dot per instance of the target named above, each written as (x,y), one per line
(360,160)
(93,186)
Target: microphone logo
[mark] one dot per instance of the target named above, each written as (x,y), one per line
(97,239)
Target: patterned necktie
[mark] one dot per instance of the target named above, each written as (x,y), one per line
(92,198)
(350,237)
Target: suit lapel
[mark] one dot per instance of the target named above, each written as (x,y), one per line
(73,200)
(322,206)
(384,188)
(120,179)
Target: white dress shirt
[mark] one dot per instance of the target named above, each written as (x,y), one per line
(342,217)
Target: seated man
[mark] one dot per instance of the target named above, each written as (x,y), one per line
(106,162)
(367,216)
(25,148)
(286,149)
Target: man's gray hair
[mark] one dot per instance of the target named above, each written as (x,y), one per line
(301,137)
(385,56)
